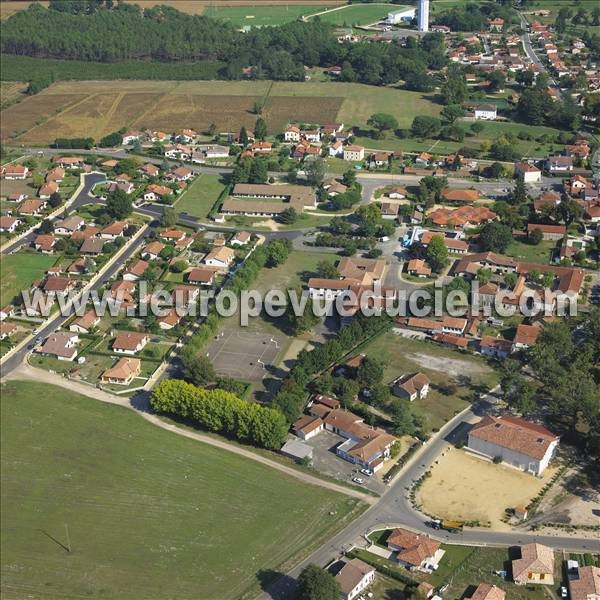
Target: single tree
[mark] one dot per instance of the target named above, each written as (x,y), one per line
(437,253)
(315,583)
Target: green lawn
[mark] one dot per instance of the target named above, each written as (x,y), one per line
(259,16)
(145,513)
(19,270)
(359,14)
(403,355)
(201,195)
(464,566)
(531,253)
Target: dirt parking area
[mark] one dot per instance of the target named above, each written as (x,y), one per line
(450,366)
(467,488)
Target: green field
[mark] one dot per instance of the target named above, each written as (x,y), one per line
(201,195)
(145,513)
(19,270)
(402,355)
(359,14)
(259,16)
(531,253)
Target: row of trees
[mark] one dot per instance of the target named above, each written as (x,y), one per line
(222,412)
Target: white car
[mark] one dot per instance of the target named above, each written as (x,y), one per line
(366,472)
(358,480)
(563,592)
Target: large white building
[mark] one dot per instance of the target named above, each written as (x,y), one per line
(398,16)
(516,442)
(423,15)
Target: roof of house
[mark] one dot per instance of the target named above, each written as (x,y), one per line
(87,320)
(92,245)
(451,339)
(515,434)
(356,268)
(460,195)
(414,547)
(201,275)
(128,340)
(414,383)
(586,584)
(172,234)
(153,248)
(462,215)
(57,284)
(535,558)
(526,167)
(527,334)
(307,423)
(242,236)
(71,223)
(544,228)
(418,266)
(327,401)
(56,344)
(489,341)
(486,591)
(454,322)
(138,268)
(31,205)
(124,368)
(115,228)
(351,574)
(45,241)
(222,254)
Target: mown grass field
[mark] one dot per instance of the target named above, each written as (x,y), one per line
(201,196)
(95,108)
(260,16)
(402,355)
(145,513)
(19,270)
(359,14)
(11,92)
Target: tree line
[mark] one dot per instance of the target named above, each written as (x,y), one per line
(220,411)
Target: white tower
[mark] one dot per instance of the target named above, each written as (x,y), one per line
(423,15)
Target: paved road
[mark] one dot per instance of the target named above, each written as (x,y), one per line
(533,57)
(394,508)
(82,198)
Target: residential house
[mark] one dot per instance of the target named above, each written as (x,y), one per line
(114,230)
(241,238)
(129,342)
(170,320)
(495,347)
(525,336)
(92,245)
(496,24)
(131,136)
(44,243)
(584,583)
(415,550)
(423,159)
(308,426)
(418,268)
(126,187)
(47,190)
(536,565)
(68,162)
(9,224)
(85,323)
(454,325)
(291,134)
(14,171)
(61,344)
(261,147)
(527,172)
(460,195)
(354,153)
(180,174)
(336,149)
(517,442)
(122,292)
(172,235)
(354,577)
(201,276)
(185,136)
(453,243)
(56,174)
(397,193)
(389,210)
(413,387)
(379,160)
(156,192)
(149,170)
(549,232)
(220,258)
(7,329)
(136,270)
(69,225)
(559,164)
(152,250)
(123,372)
(488,112)
(32,207)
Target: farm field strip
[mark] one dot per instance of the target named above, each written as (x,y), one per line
(75,109)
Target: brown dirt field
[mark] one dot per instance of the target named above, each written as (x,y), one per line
(281,109)
(24,115)
(12,6)
(467,488)
(11,92)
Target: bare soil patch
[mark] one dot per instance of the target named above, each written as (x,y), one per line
(451,366)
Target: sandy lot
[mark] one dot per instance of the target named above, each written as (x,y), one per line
(467,488)
(451,366)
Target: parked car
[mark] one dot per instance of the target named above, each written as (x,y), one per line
(358,480)
(366,472)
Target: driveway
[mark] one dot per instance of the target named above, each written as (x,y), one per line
(326,461)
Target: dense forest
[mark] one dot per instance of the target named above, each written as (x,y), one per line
(125,33)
